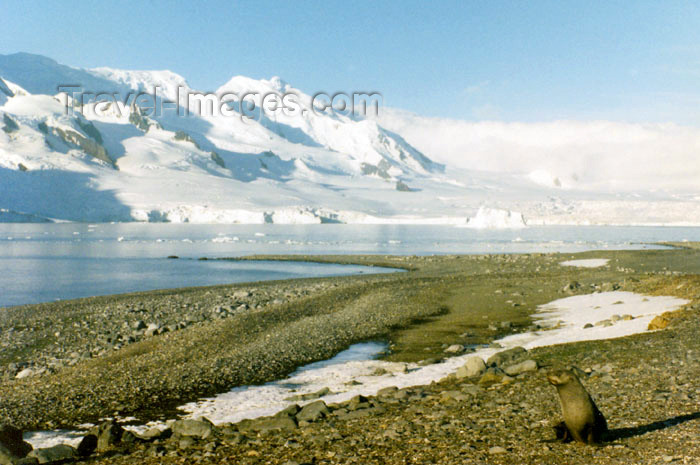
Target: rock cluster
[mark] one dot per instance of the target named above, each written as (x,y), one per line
(98,330)
(12,447)
(201,434)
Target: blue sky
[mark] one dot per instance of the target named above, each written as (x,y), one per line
(474,60)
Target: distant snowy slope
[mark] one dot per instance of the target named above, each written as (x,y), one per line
(203,168)
(373,149)
(115,161)
(167,82)
(42,75)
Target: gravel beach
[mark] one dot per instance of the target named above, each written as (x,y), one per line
(72,362)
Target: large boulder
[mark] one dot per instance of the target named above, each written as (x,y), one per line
(455,349)
(490,377)
(663,321)
(199,428)
(153,434)
(87,445)
(507,357)
(290,411)
(313,411)
(108,435)
(12,446)
(521,367)
(310,396)
(275,423)
(57,453)
(474,366)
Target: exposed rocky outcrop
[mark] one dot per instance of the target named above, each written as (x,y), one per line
(10,125)
(216,158)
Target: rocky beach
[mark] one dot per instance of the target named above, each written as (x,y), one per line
(141,355)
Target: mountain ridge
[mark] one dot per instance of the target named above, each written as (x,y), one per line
(116,161)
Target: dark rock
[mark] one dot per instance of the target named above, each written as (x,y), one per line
(9,124)
(490,378)
(12,442)
(269,424)
(472,389)
(313,411)
(129,438)
(474,366)
(521,367)
(200,428)
(507,357)
(155,433)
(153,329)
(108,434)
(309,396)
(87,445)
(363,413)
(358,402)
(403,187)
(210,447)
(290,411)
(57,453)
(216,158)
(156,450)
(455,349)
(234,438)
(27,461)
(186,442)
(387,391)
(7,457)
(447,396)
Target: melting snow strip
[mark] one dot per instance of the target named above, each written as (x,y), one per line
(607,315)
(588,263)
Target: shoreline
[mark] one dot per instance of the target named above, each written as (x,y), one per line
(345,376)
(179,274)
(438,276)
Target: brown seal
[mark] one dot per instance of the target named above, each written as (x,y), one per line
(582,420)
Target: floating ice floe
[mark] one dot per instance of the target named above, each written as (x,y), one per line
(225,239)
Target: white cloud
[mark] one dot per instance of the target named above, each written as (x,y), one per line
(600,155)
(476,88)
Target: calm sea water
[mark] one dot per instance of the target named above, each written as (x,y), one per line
(44,262)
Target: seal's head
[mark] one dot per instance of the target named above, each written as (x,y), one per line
(561,377)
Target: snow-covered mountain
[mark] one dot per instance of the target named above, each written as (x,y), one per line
(115,160)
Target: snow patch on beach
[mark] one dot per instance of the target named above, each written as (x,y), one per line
(563,319)
(587,263)
(353,372)
(45,439)
(568,316)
